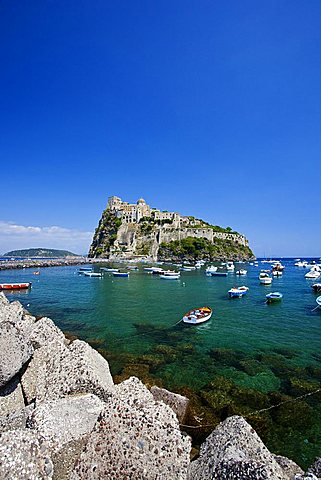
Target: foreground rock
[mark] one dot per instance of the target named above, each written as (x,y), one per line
(24,456)
(235,451)
(135,438)
(178,403)
(65,424)
(56,371)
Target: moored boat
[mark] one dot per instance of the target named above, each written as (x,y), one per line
(121,274)
(277,273)
(93,274)
(170,276)
(237,292)
(274,297)
(318,300)
(265,279)
(209,270)
(110,270)
(197,316)
(313,273)
(217,274)
(242,271)
(15,286)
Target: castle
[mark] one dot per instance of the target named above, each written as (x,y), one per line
(133,212)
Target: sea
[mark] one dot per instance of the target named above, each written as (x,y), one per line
(259,360)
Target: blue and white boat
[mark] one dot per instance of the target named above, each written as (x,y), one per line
(238,292)
(121,274)
(211,269)
(110,270)
(93,274)
(274,297)
(318,300)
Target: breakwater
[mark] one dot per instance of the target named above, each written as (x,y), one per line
(63,417)
(41,263)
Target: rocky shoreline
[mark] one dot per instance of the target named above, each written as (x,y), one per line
(41,263)
(63,417)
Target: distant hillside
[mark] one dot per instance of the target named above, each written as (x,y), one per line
(40,252)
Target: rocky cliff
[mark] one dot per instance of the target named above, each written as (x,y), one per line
(156,239)
(62,417)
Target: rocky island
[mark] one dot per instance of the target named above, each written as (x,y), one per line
(63,417)
(132,231)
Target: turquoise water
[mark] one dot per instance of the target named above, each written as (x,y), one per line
(266,353)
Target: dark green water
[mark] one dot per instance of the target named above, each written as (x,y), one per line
(248,357)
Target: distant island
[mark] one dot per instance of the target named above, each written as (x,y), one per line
(40,252)
(137,231)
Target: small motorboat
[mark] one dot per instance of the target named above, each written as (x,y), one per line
(230,267)
(188,268)
(277,273)
(36,273)
(170,276)
(211,269)
(238,292)
(217,274)
(82,270)
(93,274)
(241,272)
(316,287)
(313,273)
(265,279)
(15,286)
(318,300)
(121,274)
(273,297)
(109,270)
(197,316)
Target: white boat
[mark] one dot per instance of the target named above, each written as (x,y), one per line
(238,292)
(197,316)
(313,273)
(209,270)
(241,272)
(110,270)
(170,276)
(318,300)
(265,279)
(93,274)
(277,273)
(230,267)
(188,268)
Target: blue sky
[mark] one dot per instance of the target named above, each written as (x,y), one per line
(208,108)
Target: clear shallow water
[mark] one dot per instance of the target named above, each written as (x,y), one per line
(266,352)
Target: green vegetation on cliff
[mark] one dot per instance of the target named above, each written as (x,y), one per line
(40,252)
(105,235)
(201,248)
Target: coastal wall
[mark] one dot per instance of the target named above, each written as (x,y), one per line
(62,417)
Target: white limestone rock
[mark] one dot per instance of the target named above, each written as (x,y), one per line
(45,331)
(24,456)
(11,312)
(56,371)
(178,403)
(235,451)
(65,424)
(134,437)
(3,299)
(11,397)
(15,350)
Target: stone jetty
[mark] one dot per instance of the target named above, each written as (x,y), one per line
(62,417)
(39,263)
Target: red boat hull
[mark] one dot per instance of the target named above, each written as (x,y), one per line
(14,286)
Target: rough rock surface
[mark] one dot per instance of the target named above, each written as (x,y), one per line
(316,468)
(11,398)
(15,350)
(45,331)
(135,438)
(289,467)
(178,403)
(235,451)
(56,371)
(65,424)
(24,456)
(10,312)
(16,420)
